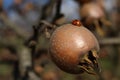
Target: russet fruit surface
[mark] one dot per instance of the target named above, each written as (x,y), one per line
(68,44)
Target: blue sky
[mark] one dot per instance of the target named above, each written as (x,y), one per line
(8,3)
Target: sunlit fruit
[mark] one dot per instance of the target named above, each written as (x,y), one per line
(73,48)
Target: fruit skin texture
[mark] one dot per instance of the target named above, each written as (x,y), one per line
(68,44)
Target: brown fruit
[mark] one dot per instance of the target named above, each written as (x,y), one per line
(93,17)
(92,10)
(71,48)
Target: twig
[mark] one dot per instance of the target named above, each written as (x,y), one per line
(58,13)
(58,7)
(49,25)
(47,10)
(110,41)
(46,28)
(16,28)
(32,42)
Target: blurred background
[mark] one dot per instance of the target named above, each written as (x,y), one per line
(24,52)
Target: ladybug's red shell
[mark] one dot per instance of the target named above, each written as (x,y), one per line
(67,45)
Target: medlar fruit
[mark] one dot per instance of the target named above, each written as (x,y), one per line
(73,48)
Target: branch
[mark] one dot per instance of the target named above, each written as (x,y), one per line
(32,43)
(58,7)
(110,41)
(47,10)
(58,13)
(49,25)
(13,26)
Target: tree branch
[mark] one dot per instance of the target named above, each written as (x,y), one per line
(110,41)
